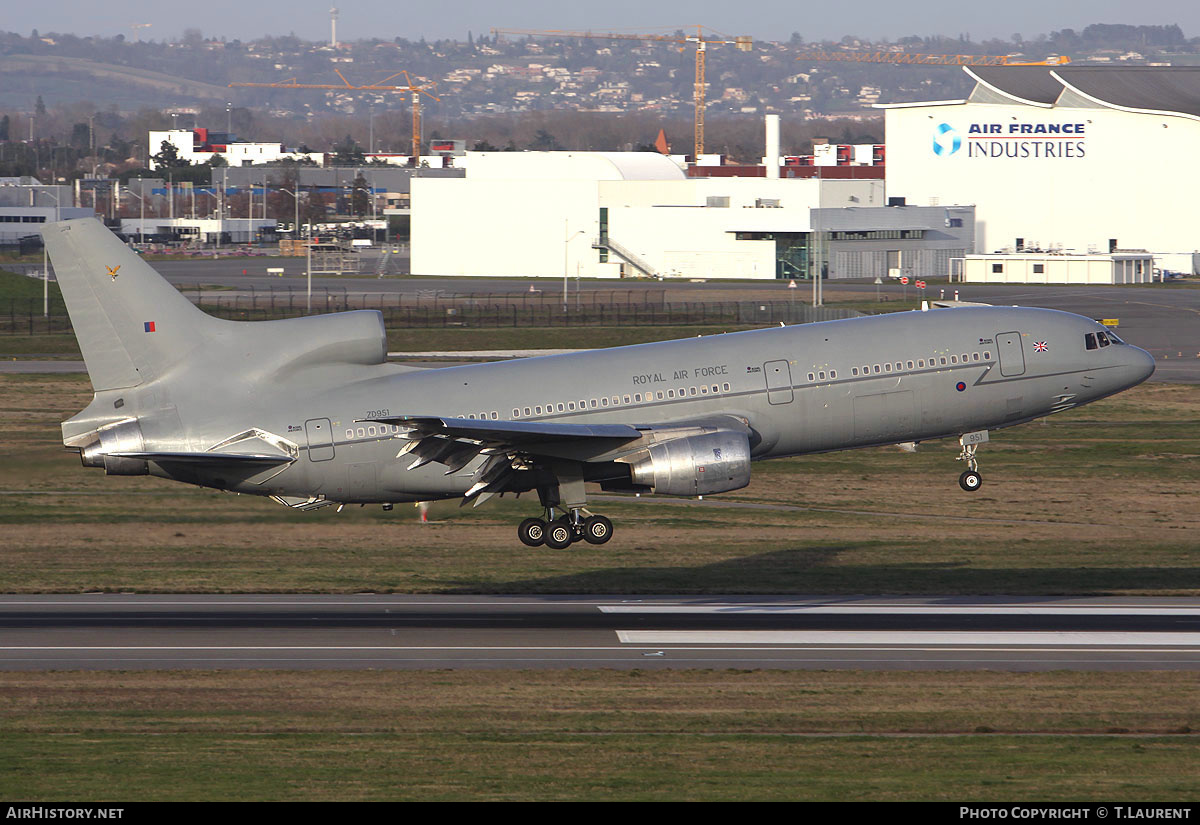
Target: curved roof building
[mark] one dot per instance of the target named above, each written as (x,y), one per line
(1071,158)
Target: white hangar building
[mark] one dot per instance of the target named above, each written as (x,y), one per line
(611,215)
(1076,159)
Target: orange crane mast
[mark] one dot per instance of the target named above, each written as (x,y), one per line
(700,40)
(381,86)
(913,58)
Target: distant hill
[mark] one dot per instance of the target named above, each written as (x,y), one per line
(52,76)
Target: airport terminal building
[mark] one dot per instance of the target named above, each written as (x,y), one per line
(1075,159)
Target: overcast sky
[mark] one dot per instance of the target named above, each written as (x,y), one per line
(764,19)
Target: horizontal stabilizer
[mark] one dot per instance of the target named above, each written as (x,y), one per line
(510,432)
(208,458)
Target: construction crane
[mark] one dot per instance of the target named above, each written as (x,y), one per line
(700,40)
(930,59)
(137,36)
(381,86)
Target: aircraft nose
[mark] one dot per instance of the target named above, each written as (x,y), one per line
(1139,365)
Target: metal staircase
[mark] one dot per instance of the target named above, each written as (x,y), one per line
(606,242)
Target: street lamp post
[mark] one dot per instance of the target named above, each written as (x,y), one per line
(568,236)
(46,261)
(296,229)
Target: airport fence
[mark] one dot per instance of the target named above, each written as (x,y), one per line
(599,309)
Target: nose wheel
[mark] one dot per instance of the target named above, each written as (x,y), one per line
(561,531)
(971,480)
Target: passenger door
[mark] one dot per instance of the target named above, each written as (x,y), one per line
(1012,355)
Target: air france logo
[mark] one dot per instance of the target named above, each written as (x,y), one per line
(946,140)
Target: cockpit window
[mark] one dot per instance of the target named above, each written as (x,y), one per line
(1102,338)
(1112,336)
(1090,340)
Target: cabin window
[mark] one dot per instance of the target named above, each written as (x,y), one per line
(527,411)
(538,409)
(943,360)
(670,393)
(693,389)
(594,404)
(704,390)
(617,400)
(660,395)
(561,407)
(604,402)
(854,370)
(371,430)
(726,386)
(833,373)
(714,389)
(964,358)
(921,364)
(876,369)
(887,367)
(362,433)
(953,359)
(637,396)
(349,433)
(516,413)
(910,365)
(627,399)
(811,377)
(495,415)
(821,375)
(987,355)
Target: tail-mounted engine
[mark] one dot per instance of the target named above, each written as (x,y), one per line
(695,465)
(121,437)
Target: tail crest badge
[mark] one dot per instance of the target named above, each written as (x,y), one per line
(113,270)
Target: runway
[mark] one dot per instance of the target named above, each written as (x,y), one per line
(115,631)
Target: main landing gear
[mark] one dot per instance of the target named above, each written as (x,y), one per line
(971,480)
(560,531)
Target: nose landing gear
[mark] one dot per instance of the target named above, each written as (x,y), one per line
(971,480)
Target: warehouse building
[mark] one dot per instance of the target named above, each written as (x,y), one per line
(1075,159)
(635,214)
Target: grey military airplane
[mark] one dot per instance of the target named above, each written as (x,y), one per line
(310,412)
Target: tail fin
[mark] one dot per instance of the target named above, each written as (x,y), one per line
(131,324)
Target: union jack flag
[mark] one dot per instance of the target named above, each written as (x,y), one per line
(1039,346)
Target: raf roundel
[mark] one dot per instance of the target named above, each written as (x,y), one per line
(960,386)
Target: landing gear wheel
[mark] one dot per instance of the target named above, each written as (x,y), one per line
(597,530)
(559,534)
(970,481)
(532,532)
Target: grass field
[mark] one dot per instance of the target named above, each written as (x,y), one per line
(599,735)
(1100,500)
(1095,501)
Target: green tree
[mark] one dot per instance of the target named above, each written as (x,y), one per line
(168,157)
(360,203)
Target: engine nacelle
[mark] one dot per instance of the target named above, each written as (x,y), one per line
(122,437)
(695,465)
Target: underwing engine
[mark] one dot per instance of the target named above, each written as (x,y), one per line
(693,466)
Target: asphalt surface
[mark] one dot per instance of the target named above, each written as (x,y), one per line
(397,632)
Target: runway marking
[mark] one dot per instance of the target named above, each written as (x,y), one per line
(1021,640)
(700,647)
(916,609)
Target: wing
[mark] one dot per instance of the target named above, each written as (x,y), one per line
(514,452)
